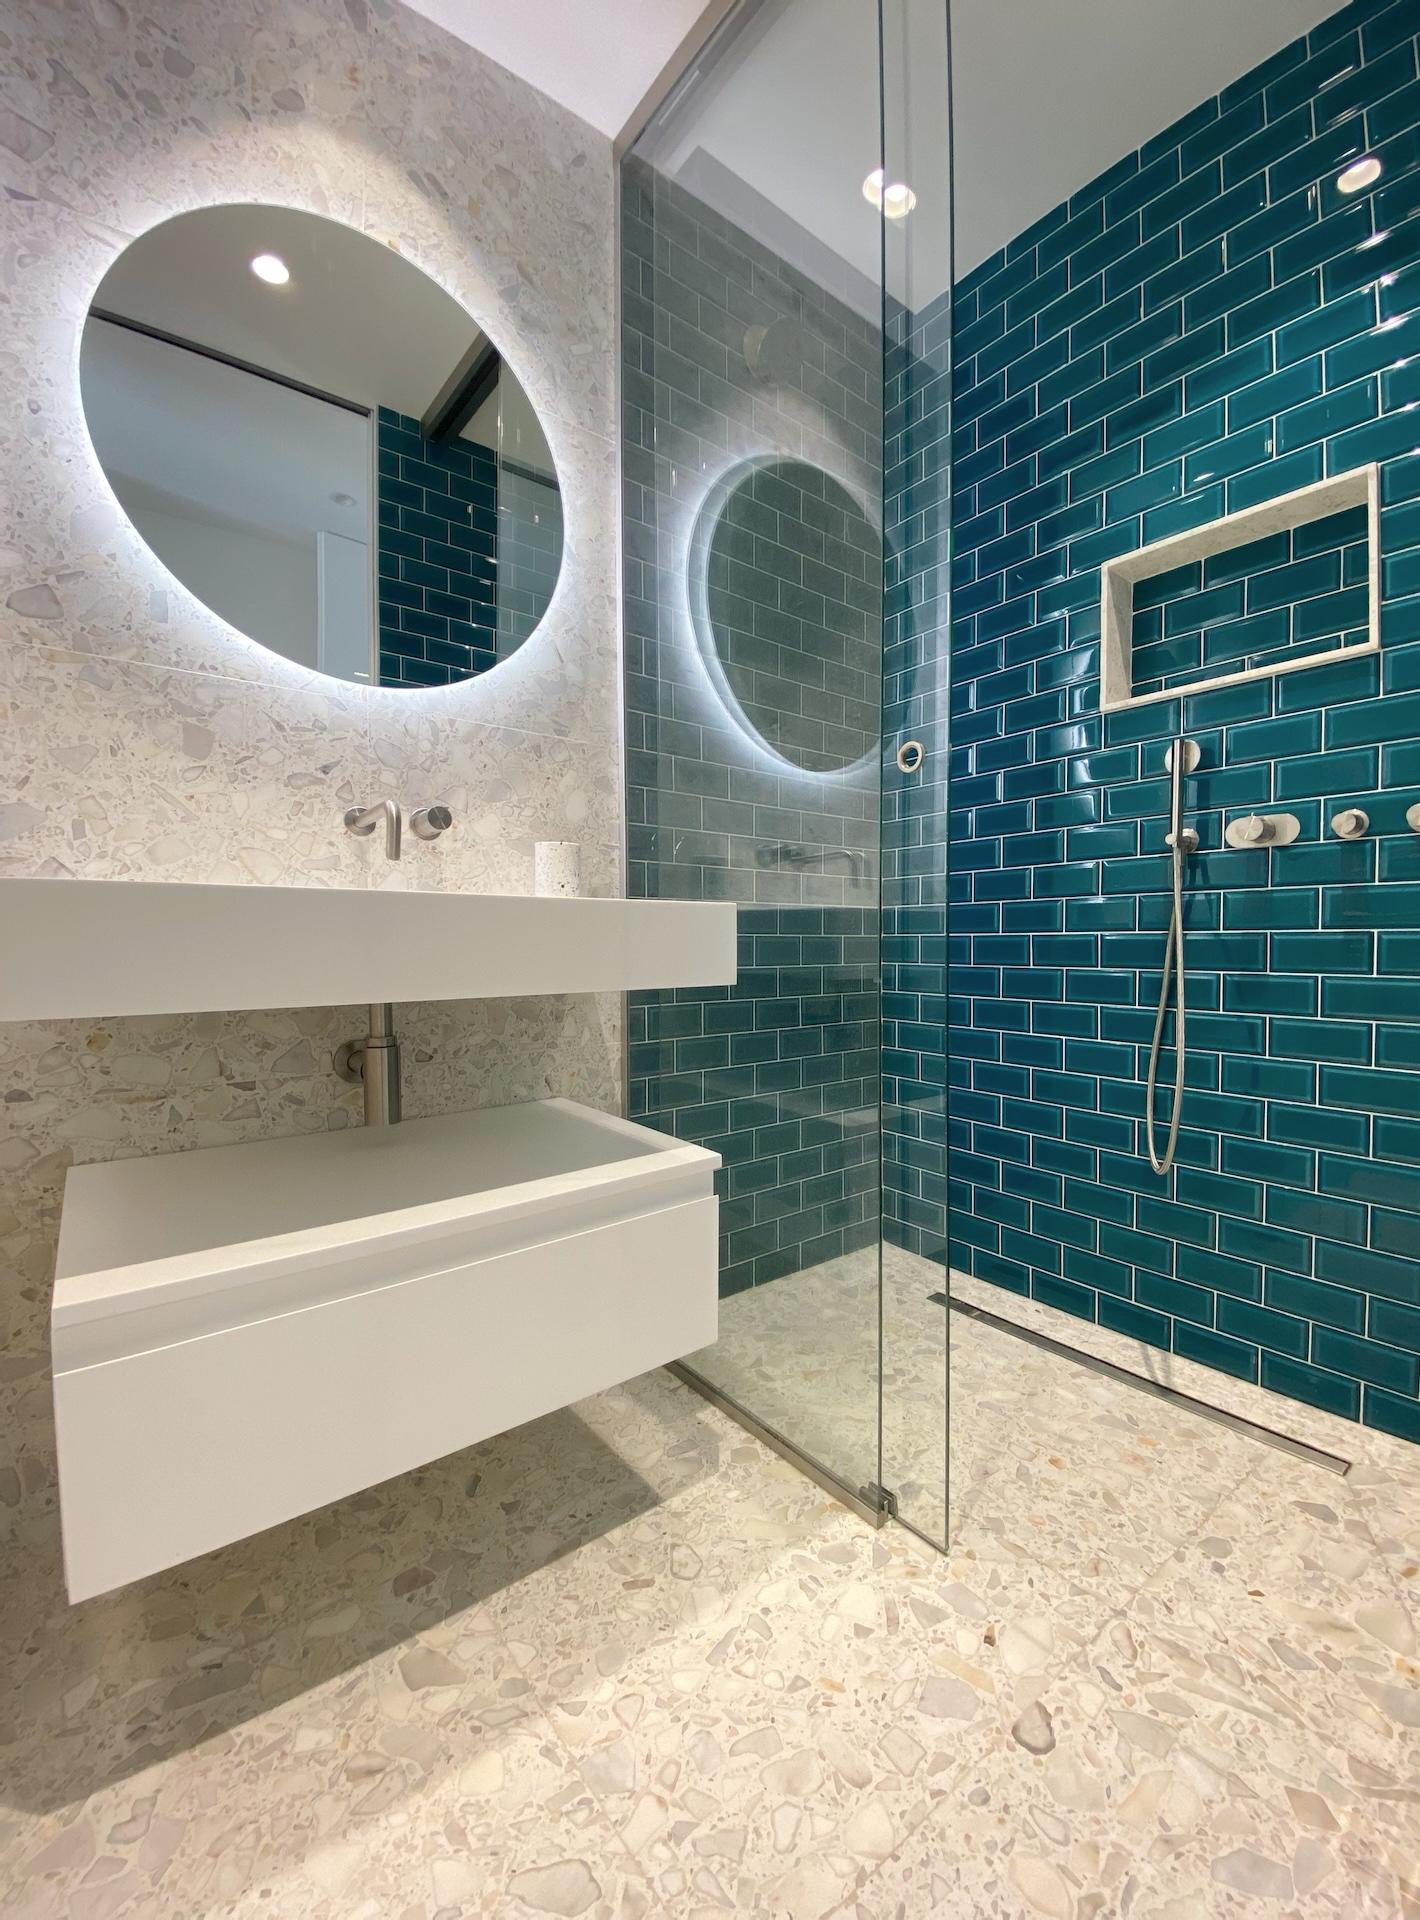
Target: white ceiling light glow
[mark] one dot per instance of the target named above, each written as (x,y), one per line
(1359,175)
(873,188)
(271,268)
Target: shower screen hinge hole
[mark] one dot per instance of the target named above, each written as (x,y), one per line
(881,1499)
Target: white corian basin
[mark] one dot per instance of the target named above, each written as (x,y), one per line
(75,949)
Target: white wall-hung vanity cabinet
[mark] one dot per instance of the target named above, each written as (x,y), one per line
(244,1333)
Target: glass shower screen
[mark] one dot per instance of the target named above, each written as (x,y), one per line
(783,219)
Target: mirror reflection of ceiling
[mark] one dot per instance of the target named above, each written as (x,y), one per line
(192,277)
(322,446)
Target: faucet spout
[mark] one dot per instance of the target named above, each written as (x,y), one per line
(364,820)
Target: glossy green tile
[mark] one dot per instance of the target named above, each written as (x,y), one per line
(1217,1350)
(1305,1045)
(1332,1392)
(1379,1366)
(1391,1413)
(1315,1300)
(1395,1325)
(1264,1327)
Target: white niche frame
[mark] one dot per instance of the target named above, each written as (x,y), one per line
(1359,487)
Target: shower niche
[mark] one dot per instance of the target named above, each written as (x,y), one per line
(1287,584)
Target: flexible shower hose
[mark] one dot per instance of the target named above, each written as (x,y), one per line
(1173,964)
(1182,840)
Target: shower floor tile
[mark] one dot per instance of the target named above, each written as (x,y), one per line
(627,1662)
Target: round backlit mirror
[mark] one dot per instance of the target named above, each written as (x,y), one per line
(322,446)
(787,584)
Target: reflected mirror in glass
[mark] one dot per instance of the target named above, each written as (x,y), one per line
(322,445)
(788,579)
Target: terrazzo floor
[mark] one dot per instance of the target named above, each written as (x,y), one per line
(625,1661)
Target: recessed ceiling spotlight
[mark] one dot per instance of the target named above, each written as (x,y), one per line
(873,188)
(898,201)
(1359,175)
(271,268)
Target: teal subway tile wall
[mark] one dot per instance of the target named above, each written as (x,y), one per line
(1209,324)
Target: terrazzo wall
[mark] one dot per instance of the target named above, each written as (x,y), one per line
(142,739)
(1209,324)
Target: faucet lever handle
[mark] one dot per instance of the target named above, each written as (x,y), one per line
(427,823)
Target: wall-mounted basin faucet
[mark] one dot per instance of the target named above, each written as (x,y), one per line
(364,820)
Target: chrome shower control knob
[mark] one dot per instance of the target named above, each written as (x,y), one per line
(1412,816)
(1352,823)
(427,823)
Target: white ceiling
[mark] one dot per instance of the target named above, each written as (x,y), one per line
(1046,94)
(597,57)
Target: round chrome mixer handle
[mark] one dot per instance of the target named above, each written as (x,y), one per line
(427,823)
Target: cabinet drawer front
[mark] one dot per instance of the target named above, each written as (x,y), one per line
(169,1453)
